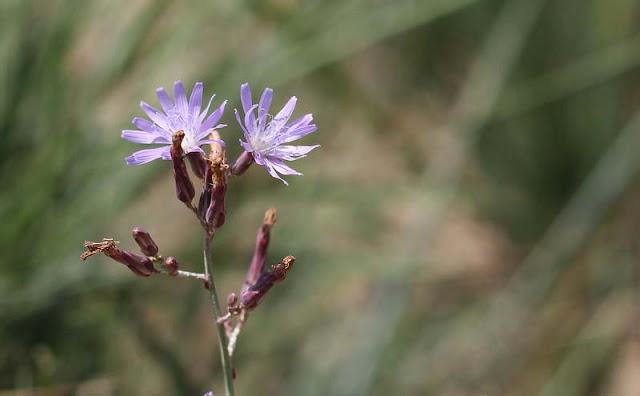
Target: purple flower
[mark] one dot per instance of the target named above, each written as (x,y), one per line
(182,115)
(265,135)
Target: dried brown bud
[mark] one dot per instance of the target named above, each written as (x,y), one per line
(260,252)
(256,293)
(171,264)
(139,265)
(243,163)
(147,245)
(97,247)
(184,187)
(198,164)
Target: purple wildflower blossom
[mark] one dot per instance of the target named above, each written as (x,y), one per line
(265,135)
(182,115)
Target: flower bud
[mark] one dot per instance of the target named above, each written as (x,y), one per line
(147,246)
(243,163)
(139,265)
(256,293)
(171,264)
(216,213)
(198,164)
(184,187)
(260,252)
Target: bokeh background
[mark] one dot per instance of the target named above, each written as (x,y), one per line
(470,226)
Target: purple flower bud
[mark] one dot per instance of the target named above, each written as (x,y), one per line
(216,213)
(171,264)
(260,252)
(256,293)
(243,163)
(184,187)
(147,246)
(139,265)
(208,394)
(198,163)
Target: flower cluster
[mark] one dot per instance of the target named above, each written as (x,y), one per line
(265,135)
(182,128)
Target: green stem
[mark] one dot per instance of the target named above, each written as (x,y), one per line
(215,302)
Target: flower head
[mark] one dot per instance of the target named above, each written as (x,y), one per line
(266,135)
(181,115)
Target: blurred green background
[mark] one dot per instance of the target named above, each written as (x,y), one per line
(470,226)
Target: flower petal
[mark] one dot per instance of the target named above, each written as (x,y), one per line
(247,135)
(211,121)
(247,104)
(263,108)
(259,159)
(148,126)
(282,168)
(165,100)
(297,133)
(250,121)
(246,146)
(206,110)
(195,101)
(144,125)
(245,97)
(148,155)
(143,137)
(155,115)
(290,153)
(283,116)
(180,97)
(299,122)
(270,168)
